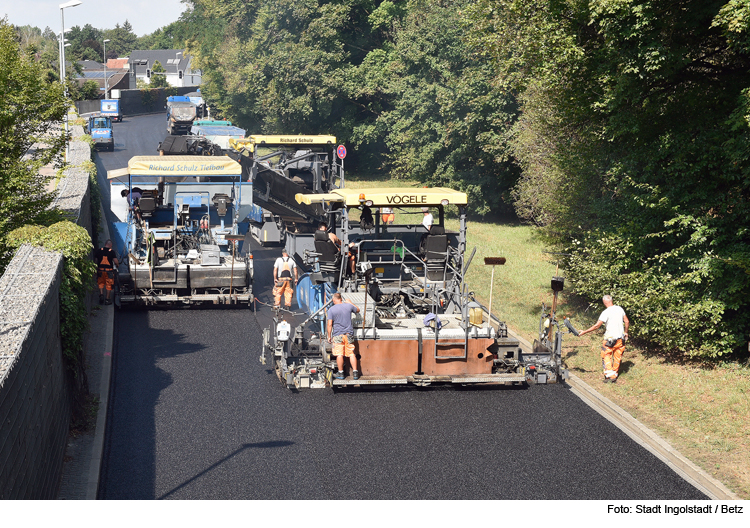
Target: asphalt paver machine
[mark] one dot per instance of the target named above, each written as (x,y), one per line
(178,231)
(419,323)
(280,167)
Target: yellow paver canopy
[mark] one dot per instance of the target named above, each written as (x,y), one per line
(178,166)
(389,197)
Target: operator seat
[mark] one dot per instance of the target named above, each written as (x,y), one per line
(435,253)
(147,205)
(329,257)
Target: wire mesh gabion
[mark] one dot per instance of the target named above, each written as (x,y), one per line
(24,288)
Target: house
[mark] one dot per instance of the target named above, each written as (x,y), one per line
(120,63)
(95,71)
(177,66)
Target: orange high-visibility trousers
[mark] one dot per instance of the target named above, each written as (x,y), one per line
(287,288)
(105,279)
(611,357)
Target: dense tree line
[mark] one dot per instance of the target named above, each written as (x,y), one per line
(619,127)
(397,81)
(633,139)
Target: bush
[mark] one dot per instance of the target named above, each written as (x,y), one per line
(678,309)
(74,243)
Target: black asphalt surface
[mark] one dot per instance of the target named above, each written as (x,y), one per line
(194,415)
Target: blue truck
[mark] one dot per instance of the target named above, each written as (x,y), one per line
(100,128)
(111,108)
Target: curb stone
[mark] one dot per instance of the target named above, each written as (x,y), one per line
(644,436)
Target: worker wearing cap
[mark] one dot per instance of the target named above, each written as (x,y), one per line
(282,278)
(615,334)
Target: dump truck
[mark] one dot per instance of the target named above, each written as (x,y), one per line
(179,232)
(181,112)
(418,321)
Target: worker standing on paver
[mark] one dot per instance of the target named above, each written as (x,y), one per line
(615,334)
(339,331)
(386,214)
(283,269)
(106,260)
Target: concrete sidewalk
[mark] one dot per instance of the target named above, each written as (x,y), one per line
(83,454)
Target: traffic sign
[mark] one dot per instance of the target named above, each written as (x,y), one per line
(341,151)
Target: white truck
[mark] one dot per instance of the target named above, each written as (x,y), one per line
(111,108)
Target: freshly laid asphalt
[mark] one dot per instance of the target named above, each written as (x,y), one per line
(194,415)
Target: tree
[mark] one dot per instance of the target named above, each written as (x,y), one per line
(122,40)
(89,91)
(444,123)
(85,44)
(637,112)
(30,111)
(158,79)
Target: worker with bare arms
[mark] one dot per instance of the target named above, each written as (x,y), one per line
(339,331)
(283,269)
(615,334)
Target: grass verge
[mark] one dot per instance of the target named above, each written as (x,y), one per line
(701,409)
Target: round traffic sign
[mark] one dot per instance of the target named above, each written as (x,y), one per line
(341,151)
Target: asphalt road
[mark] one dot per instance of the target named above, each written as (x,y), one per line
(194,415)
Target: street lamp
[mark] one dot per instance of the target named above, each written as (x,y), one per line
(72,3)
(105,68)
(60,42)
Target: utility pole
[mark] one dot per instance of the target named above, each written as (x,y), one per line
(72,3)
(105,68)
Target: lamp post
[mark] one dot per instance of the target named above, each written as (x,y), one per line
(60,43)
(105,68)
(72,3)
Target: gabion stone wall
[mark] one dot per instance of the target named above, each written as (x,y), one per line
(34,395)
(73,194)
